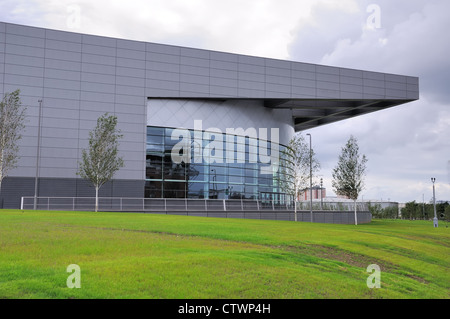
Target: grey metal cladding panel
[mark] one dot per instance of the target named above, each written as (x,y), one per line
(396,93)
(303,75)
(63,55)
(277,88)
(133,91)
(251,85)
(303,92)
(351,80)
(25,30)
(30,91)
(351,88)
(63,36)
(194,70)
(303,83)
(374,91)
(24,50)
(221,82)
(277,64)
(62,74)
(194,88)
(55,93)
(194,79)
(162,66)
(99,41)
(25,41)
(395,78)
(61,84)
(130,45)
(374,83)
(97,87)
(396,85)
(56,162)
(60,118)
(195,53)
(222,91)
(99,68)
(23,80)
(224,74)
(99,50)
(63,45)
(373,75)
(250,68)
(24,60)
(244,59)
(130,81)
(162,92)
(98,78)
(62,65)
(161,57)
(328,78)
(130,99)
(194,62)
(155,85)
(327,93)
(351,73)
(328,85)
(322,69)
(224,66)
(283,80)
(130,63)
(163,48)
(97,97)
(137,73)
(223,56)
(98,59)
(252,77)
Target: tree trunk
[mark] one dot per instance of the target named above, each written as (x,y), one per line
(96,198)
(356,217)
(295,204)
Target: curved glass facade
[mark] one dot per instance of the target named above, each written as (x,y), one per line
(220,178)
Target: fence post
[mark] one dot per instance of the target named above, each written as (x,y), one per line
(48,203)
(257,204)
(224,205)
(73,203)
(21,203)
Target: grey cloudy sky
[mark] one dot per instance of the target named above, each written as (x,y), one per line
(405,145)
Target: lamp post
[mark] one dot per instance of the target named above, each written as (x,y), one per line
(321,194)
(310,176)
(435,219)
(38,155)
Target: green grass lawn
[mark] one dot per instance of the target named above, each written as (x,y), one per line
(124,255)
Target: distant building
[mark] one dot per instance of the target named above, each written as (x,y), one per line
(317,193)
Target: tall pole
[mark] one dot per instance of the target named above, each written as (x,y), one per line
(38,155)
(435,219)
(310,177)
(321,194)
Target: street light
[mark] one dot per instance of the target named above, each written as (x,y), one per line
(321,194)
(310,177)
(38,155)
(435,219)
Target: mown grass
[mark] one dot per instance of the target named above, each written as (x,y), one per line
(125,255)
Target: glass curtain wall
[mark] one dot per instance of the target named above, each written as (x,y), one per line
(222,179)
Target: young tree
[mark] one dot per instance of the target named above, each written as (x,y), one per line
(348,175)
(12,122)
(295,166)
(101,161)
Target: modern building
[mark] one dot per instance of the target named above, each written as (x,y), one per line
(67,80)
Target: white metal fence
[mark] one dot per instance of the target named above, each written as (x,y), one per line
(174,204)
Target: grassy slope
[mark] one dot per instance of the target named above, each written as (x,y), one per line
(158,256)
